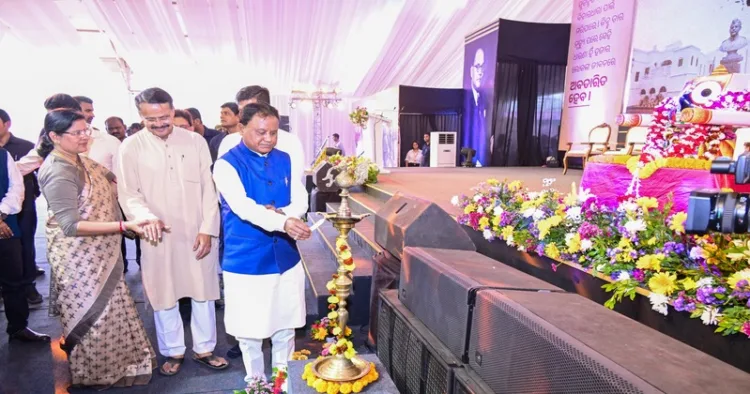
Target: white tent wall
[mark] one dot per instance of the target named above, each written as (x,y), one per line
(379,141)
(28,75)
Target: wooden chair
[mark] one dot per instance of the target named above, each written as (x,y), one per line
(635,139)
(596,145)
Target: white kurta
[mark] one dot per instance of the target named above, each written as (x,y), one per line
(171,180)
(103,149)
(257,306)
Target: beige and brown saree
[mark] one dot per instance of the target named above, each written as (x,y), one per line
(104,337)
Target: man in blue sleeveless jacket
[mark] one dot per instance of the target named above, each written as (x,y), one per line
(11,260)
(261,206)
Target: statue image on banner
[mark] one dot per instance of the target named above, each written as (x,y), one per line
(479,86)
(667,53)
(731,45)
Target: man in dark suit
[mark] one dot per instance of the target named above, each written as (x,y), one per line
(478,108)
(11,262)
(200,128)
(27,219)
(426,151)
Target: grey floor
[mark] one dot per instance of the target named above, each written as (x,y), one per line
(37,368)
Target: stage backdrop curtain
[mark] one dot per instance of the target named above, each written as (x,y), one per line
(529,99)
(529,86)
(413,127)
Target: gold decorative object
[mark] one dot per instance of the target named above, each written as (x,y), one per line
(337,367)
(696,115)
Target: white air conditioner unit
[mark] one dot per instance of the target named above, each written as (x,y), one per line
(443,149)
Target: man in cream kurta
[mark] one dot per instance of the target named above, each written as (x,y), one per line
(167,180)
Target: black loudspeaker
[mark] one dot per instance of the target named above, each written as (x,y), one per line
(309,187)
(386,272)
(439,287)
(409,221)
(321,179)
(467,382)
(528,342)
(332,151)
(416,361)
(319,199)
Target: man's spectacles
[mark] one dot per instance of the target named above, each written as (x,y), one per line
(159,119)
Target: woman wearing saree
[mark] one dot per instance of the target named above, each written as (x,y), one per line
(103,334)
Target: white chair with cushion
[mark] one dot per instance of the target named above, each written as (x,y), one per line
(596,145)
(635,139)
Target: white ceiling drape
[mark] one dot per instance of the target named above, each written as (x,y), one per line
(203,51)
(360,46)
(426,49)
(38,23)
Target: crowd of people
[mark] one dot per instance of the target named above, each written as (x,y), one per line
(197,199)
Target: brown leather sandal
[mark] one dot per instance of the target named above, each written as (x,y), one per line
(171,361)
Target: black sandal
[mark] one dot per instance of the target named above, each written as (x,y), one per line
(172,362)
(206,360)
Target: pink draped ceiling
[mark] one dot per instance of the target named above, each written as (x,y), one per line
(202,51)
(360,46)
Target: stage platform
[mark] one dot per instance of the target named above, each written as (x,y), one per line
(440,184)
(437,185)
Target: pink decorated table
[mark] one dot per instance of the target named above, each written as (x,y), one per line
(610,181)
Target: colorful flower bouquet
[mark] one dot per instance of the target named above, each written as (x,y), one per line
(360,169)
(259,385)
(676,144)
(359,117)
(637,246)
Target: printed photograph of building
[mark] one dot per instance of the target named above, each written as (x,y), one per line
(667,52)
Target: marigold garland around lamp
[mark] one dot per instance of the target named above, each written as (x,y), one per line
(342,369)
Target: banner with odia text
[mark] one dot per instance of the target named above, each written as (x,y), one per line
(598,56)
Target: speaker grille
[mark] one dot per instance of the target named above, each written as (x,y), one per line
(414,365)
(516,352)
(467,382)
(439,300)
(436,283)
(385,331)
(437,378)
